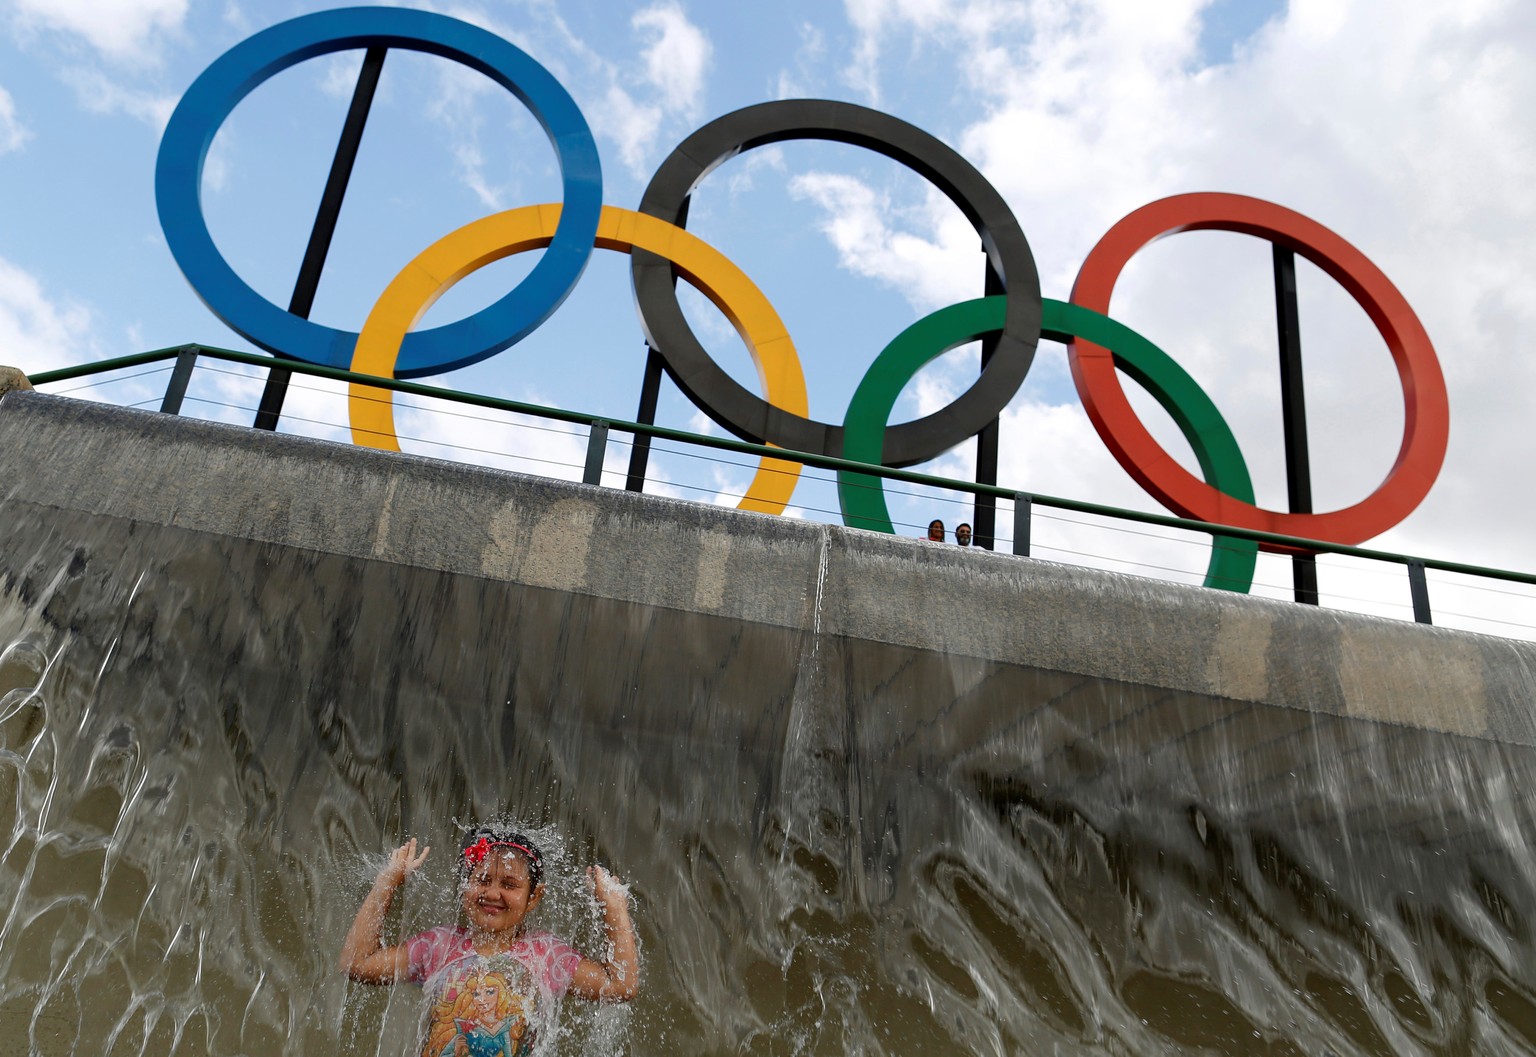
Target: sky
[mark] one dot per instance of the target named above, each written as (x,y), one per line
(1402,127)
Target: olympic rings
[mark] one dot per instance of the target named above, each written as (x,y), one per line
(491,238)
(862,496)
(747,415)
(205,106)
(1426,410)
(1098,346)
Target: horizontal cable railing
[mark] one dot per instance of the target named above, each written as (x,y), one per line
(599,430)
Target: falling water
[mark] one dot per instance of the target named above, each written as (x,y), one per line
(835,846)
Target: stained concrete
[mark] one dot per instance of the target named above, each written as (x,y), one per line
(87,460)
(12,379)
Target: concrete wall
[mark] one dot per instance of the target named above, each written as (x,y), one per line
(89,460)
(862,786)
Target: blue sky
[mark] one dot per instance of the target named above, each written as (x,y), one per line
(1401,127)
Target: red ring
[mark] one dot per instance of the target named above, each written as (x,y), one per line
(1426,410)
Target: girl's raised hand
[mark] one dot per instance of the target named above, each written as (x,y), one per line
(617,977)
(606,888)
(403,862)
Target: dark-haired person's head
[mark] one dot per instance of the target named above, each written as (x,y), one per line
(963,534)
(936,530)
(485,841)
(500,879)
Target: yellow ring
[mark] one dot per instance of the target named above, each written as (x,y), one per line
(408,296)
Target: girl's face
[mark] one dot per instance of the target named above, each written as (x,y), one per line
(497,896)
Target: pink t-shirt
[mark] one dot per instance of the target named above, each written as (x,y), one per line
(480,1006)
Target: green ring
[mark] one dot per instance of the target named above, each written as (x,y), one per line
(862,496)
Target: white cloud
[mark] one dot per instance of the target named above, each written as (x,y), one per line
(37,332)
(677,57)
(938,21)
(341,74)
(667,90)
(456,105)
(797,84)
(12,132)
(236,19)
(120,29)
(627,103)
(1419,156)
(741,176)
(100,94)
(931,271)
(632,125)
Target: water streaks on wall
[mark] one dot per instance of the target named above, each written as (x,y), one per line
(871,795)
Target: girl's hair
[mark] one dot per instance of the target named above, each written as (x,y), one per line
(480,842)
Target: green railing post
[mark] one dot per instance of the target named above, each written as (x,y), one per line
(181,374)
(1418,587)
(1023,511)
(597,450)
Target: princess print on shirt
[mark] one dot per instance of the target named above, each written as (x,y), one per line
(488,1006)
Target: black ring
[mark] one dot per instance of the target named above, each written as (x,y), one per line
(748,415)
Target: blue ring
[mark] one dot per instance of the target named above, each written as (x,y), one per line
(231,77)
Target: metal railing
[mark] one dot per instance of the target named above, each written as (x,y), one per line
(600,426)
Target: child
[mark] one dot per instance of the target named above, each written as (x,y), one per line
(493,984)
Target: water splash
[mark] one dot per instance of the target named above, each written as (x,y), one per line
(834,846)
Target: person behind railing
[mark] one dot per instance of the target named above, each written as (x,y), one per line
(963,534)
(936,531)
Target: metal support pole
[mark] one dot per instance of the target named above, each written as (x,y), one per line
(1023,507)
(984,510)
(176,388)
(1293,410)
(308,283)
(597,449)
(650,390)
(640,452)
(1418,587)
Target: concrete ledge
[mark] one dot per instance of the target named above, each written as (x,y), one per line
(408,510)
(90,460)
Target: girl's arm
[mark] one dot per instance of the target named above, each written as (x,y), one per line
(363,956)
(618,977)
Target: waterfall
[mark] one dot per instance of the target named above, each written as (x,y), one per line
(839,841)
